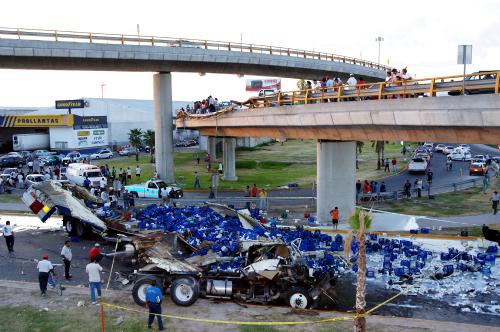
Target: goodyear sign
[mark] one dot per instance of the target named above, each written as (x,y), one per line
(90,122)
(38,121)
(65,104)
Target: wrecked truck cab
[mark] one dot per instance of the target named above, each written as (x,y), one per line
(268,273)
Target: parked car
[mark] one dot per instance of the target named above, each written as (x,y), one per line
(481,157)
(102,154)
(418,165)
(32,178)
(459,154)
(49,161)
(448,149)
(152,189)
(127,151)
(429,146)
(6,173)
(439,148)
(40,153)
(464,146)
(477,168)
(15,154)
(9,161)
(73,157)
(478,80)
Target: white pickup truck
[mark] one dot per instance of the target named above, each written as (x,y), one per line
(153,189)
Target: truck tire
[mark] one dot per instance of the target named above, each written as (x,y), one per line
(184,291)
(139,289)
(298,298)
(134,194)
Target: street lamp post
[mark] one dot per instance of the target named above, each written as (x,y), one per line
(379,39)
(102,90)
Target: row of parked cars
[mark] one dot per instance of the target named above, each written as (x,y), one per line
(462,152)
(421,159)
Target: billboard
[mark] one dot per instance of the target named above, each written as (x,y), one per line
(264,83)
(65,104)
(36,121)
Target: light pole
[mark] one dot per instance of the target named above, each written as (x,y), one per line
(102,90)
(379,39)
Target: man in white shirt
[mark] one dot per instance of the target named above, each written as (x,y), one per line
(94,271)
(44,267)
(8,234)
(67,256)
(351,82)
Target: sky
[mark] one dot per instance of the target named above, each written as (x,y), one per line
(422,36)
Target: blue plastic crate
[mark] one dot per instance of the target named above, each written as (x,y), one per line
(492,249)
(405,262)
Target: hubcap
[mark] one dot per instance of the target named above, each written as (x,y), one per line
(183,292)
(298,301)
(141,292)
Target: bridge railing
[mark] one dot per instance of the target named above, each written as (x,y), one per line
(484,82)
(125,39)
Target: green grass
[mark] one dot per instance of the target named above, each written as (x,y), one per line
(7,198)
(28,319)
(268,165)
(467,202)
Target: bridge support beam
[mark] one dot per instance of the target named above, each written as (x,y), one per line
(229,157)
(336,177)
(164,147)
(212,146)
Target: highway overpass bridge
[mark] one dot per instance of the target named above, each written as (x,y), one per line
(70,50)
(337,123)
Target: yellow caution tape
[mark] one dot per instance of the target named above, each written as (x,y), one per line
(217,321)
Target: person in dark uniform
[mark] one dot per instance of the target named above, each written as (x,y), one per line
(153,303)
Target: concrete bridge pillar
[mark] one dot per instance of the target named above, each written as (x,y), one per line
(229,158)
(212,146)
(336,178)
(164,147)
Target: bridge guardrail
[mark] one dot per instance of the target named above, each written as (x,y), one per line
(125,39)
(488,82)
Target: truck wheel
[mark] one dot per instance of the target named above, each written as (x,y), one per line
(140,287)
(298,298)
(69,226)
(134,194)
(184,291)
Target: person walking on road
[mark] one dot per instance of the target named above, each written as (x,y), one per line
(335,217)
(263,199)
(126,200)
(418,186)
(154,298)
(254,190)
(94,271)
(67,256)
(197,184)
(44,267)
(394,163)
(486,184)
(495,198)
(211,194)
(8,234)
(406,188)
(387,164)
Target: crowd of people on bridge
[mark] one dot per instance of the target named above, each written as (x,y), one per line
(207,105)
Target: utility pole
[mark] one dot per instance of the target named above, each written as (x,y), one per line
(102,90)
(379,39)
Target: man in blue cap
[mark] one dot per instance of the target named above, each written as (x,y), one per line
(153,303)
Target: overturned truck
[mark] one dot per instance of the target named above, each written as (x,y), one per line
(256,264)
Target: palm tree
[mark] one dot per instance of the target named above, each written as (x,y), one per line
(379,148)
(359,222)
(135,139)
(149,139)
(359,149)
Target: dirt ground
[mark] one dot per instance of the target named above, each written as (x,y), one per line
(24,310)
